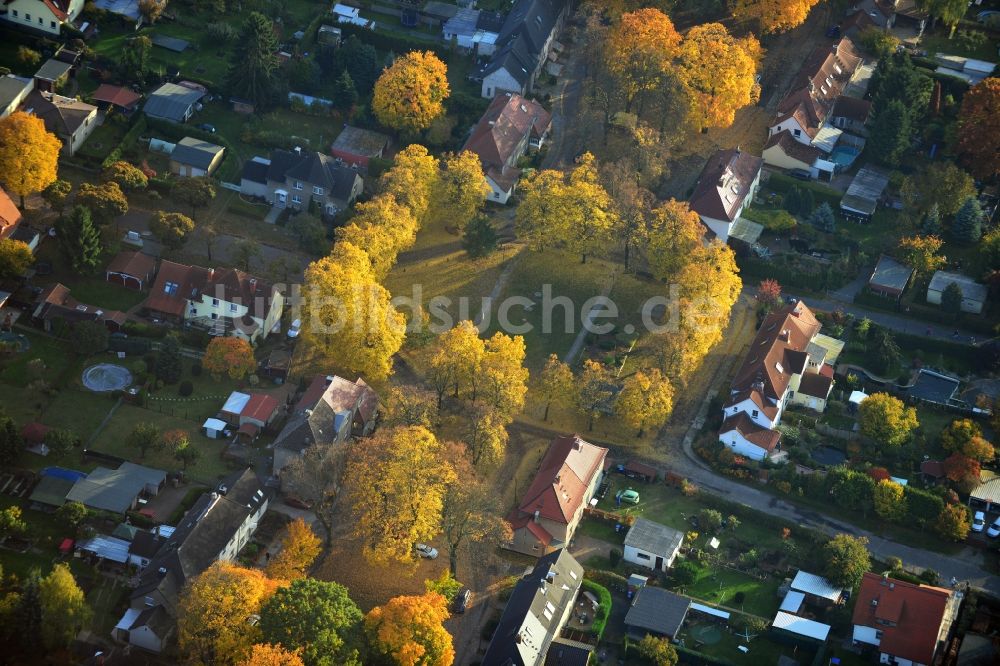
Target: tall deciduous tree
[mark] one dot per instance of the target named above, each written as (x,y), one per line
(144,436)
(412,180)
(216,614)
(595,390)
(953,522)
(299,548)
(639,51)
(889,501)
(719,72)
(195,192)
(979,128)
(773,15)
(15,258)
(940,185)
(461,189)
(265,654)
(963,471)
(133,58)
(347,317)
(171,229)
(56,192)
(253,74)
(64,607)
(106,201)
(886,419)
(382,228)
(845,560)
(556,385)
(128,177)
(921,254)
(675,234)
(408,631)
(646,398)
(10,441)
(316,618)
(28,154)
(503,377)
(395,484)
(230,357)
(411,93)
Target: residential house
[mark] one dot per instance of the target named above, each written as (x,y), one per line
(782,150)
(331,410)
(173,102)
(474,30)
(133,270)
(356,147)
(116,98)
(851,114)
(788,362)
(47,16)
(223,301)
(510,126)
(552,506)
(10,215)
(974,294)
(536,612)
(53,75)
(889,278)
(68,118)
(117,490)
(297,179)
(650,544)
(13,90)
(864,194)
(217,527)
(146,628)
(195,157)
(903,622)
(523,45)
(725,188)
(145,544)
(56,307)
(656,612)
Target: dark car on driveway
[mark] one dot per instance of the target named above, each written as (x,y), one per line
(801,174)
(461,601)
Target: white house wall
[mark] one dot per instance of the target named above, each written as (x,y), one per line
(633,555)
(739,445)
(144,638)
(775,156)
(793,126)
(500,81)
(748,407)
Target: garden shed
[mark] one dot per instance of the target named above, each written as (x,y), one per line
(801,627)
(863,194)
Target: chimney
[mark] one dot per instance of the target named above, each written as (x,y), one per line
(577,443)
(892,586)
(784,334)
(253,284)
(162,571)
(298,150)
(885,579)
(537,514)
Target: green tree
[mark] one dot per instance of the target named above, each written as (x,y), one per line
(195,192)
(852,490)
(311,233)
(253,74)
(10,441)
(951,299)
(79,239)
(317,617)
(822,218)
(243,252)
(479,238)
(658,650)
(967,227)
(171,229)
(106,201)
(922,507)
(445,585)
(845,560)
(932,221)
(73,513)
(187,454)
(168,361)
(28,616)
(890,135)
(144,436)
(345,94)
(710,520)
(127,176)
(133,58)
(15,258)
(56,193)
(61,441)
(89,337)
(11,522)
(887,351)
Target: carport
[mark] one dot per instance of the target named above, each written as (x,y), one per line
(987,494)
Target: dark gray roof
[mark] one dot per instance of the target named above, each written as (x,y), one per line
(653,537)
(517,58)
(146,544)
(314,168)
(114,489)
(310,167)
(490,21)
(10,87)
(195,152)
(360,141)
(51,491)
(171,101)
(566,652)
(157,619)
(255,170)
(534,19)
(890,273)
(53,70)
(343,182)
(303,430)
(543,593)
(657,611)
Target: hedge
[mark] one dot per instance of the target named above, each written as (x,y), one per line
(603,610)
(395,42)
(177,131)
(131,136)
(779,182)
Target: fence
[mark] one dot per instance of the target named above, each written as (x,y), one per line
(836,433)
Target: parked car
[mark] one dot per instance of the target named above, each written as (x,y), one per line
(978,521)
(291,500)
(205,127)
(461,601)
(294,329)
(994,528)
(423,550)
(630,496)
(801,174)
(833,31)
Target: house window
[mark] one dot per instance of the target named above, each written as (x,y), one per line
(754,413)
(215,315)
(52,24)
(27,17)
(15,13)
(791,394)
(149,601)
(797,132)
(296,198)
(170,288)
(41,21)
(643,556)
(232,307)
(215,302)
(194,310)
(318,191)
(298,185)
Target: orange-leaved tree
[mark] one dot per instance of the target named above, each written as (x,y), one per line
(28,154)
(264,654)
(229,357)
(639,51)
(299,548)
(979,129)
(773,15)
(408,631)
(411,93)
(718,71)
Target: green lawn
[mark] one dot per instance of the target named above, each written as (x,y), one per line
(719,586)
(79,410)
(55,354)
(103,294)
(938,42)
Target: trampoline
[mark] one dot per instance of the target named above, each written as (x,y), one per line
(21,342)
(708,634)
(105,377)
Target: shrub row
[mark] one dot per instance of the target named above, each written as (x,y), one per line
(603,611)
(392,41)
(127,142)
(779,182)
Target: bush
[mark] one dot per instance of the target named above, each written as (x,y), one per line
(615,556)
(144,330)
(196,369)
(604,608)
(185,389)
(196,339)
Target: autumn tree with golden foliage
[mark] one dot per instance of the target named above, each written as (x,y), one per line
(410,94)
(299,548)
(773,15)
(640,49)
(921,254)
(461,190)
(394,484)
(594,390)
(503,377)
(264,654)
(409,631)
(64,607)
(347,317)
(556,385)
(412,180)
(719,72)
(646,398)
(28,154)
(382,228)
(214,614)
(229,357)
(885,419)
(978,129)
(675,235)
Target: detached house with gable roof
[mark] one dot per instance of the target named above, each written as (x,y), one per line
(510,126)
(293,179)
(789,362)
(46,16)
(68,118)
(725,188)
(906,624)
(552,507)
(523,46)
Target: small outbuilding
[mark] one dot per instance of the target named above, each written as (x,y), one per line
(650,544)
(133,270)
(215,428)
(356,146)
(110,97)
(817,590)
(656,611)
(52,75)
(889,278)
(172,102)
(974,294)
(195,157)
(864,193)
(800,627)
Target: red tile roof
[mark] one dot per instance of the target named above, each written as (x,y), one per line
(10,216)
(496,137)
(818,83)
(260,407)
(116,95)
(914,614)
(59,8)
(131,263)
(724,184)
(226,284)
(794,149)
(816,385)
(563,477)
(932,468)
(763,437)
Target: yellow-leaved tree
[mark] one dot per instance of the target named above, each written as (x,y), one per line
(639,51)
(28,154)
(64,608)
(382,228)
(409,631)
(556,385)
(412,180)
(504,379)
(264,654)
(394,484)
(299,548)
(886,419)
(921,254)
(410,94)
(675,235)
(456,357)
(718,71)
(461,190)
(215,617)
(646,399)
(773,15)
(347,318)
(229,357)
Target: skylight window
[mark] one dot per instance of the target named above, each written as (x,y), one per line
(170,288)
